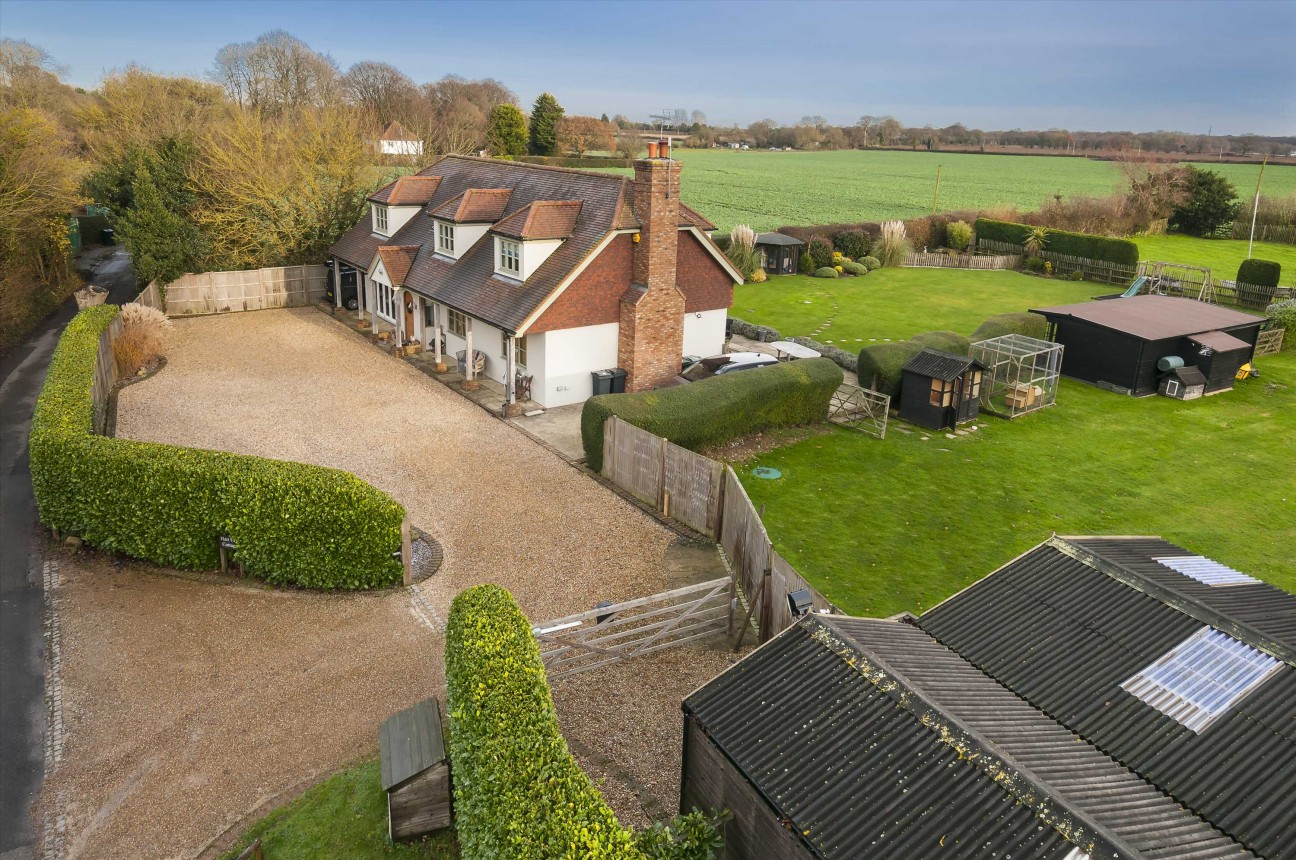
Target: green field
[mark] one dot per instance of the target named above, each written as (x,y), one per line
(1221,256)
(343,816)
(770,189)
(893,304)
(881,526)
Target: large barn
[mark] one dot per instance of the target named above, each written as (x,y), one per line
(1117,343)
(1095,697)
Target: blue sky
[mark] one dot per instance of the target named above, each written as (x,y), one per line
(1141,66)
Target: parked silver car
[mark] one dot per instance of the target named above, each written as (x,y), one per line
(717,365)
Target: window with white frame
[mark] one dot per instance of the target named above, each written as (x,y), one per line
(519,350)
(458,323)
(509,261)
(386,301)
(380,219)
(445,238)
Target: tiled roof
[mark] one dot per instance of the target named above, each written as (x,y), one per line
(395,131)
(1153,317)
(1066,625)
(543,219)
(397,259)
(937,364)
(408,191)
(475,206)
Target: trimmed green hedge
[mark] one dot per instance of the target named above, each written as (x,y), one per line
(294,524)
(1261,273)
(519,793)
(1021,322)
(948,341)
(718,409)
(1120,251)
(881,365)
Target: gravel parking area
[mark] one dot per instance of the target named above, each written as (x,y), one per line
(188,701)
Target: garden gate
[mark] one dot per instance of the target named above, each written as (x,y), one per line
(619,631)
(860,409)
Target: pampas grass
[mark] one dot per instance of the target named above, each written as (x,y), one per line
(892,245)
(146,335)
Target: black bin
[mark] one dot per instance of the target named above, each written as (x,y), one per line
(618,380)
(602,380)
(106,237)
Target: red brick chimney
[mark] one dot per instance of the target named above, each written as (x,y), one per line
(651,342)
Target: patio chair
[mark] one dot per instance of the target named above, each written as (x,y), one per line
(479,362)
(522,386)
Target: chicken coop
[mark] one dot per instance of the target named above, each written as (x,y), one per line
(1021,374)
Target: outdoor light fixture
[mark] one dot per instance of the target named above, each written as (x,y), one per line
(800,602)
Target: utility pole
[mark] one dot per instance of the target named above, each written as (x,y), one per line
(1255,207)
(936,196)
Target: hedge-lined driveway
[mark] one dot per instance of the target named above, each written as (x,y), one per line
(188,703)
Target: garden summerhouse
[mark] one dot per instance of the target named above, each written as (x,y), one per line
(940,389)
(780,253)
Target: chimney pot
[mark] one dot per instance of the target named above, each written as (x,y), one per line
(652,149)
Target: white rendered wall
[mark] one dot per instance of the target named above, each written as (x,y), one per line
(399,216)
(570,355)
(704,332)
(485,338)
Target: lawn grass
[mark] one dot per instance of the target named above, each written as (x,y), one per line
(1221,256)
(343,816)
(893,304)
(882,526)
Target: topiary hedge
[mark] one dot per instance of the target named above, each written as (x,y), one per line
(947,341)
(1022,322)
(880,365)
(1261,273)
(518,791)
(1120,251)
(294,524)
(826,272)
(718,409)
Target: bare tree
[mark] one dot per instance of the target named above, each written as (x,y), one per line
(628,143)
(699,118)
(382,92)
(277,72)
(455,113)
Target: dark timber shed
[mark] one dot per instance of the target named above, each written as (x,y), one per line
(780,253)
(1117,343)
(415,771)
(940,389)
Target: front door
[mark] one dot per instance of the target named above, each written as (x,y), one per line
(409,315)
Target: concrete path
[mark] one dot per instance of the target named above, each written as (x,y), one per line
(22,602)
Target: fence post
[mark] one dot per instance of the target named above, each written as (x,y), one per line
(662,502)
(767,604)
(407,576)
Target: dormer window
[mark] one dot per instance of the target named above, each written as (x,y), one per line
(510,258)
(380,219)
(445,238)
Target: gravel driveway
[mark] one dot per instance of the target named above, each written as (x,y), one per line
(188,702)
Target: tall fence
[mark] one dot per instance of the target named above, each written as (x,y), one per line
(963,261)
(105,375)
(1093,270)
(248,290)
(708,497)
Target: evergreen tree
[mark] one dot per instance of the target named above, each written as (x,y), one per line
(604,118)
(1211,203)
(163,243)
(506,131)
(544,125)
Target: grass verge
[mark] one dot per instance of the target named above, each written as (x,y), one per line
(343,816)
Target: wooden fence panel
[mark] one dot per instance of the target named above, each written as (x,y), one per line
(963,261)
(692,485)
(105,374)
(1093,270)
(1243,295)
(783,581)
(245,290)
(743,536)
(632,459)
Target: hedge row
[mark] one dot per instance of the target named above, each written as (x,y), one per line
(718,409)
(519,793)
(1120,251)
(1261,273)
(294,524)
(1020,322)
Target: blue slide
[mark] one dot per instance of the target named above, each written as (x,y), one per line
(1134,288)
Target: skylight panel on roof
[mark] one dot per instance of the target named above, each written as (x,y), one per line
(1206,571)
(1197,681)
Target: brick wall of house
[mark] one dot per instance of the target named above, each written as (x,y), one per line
(704,282)
(650,342)
(594,297)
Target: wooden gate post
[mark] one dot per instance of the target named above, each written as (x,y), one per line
(407,577)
